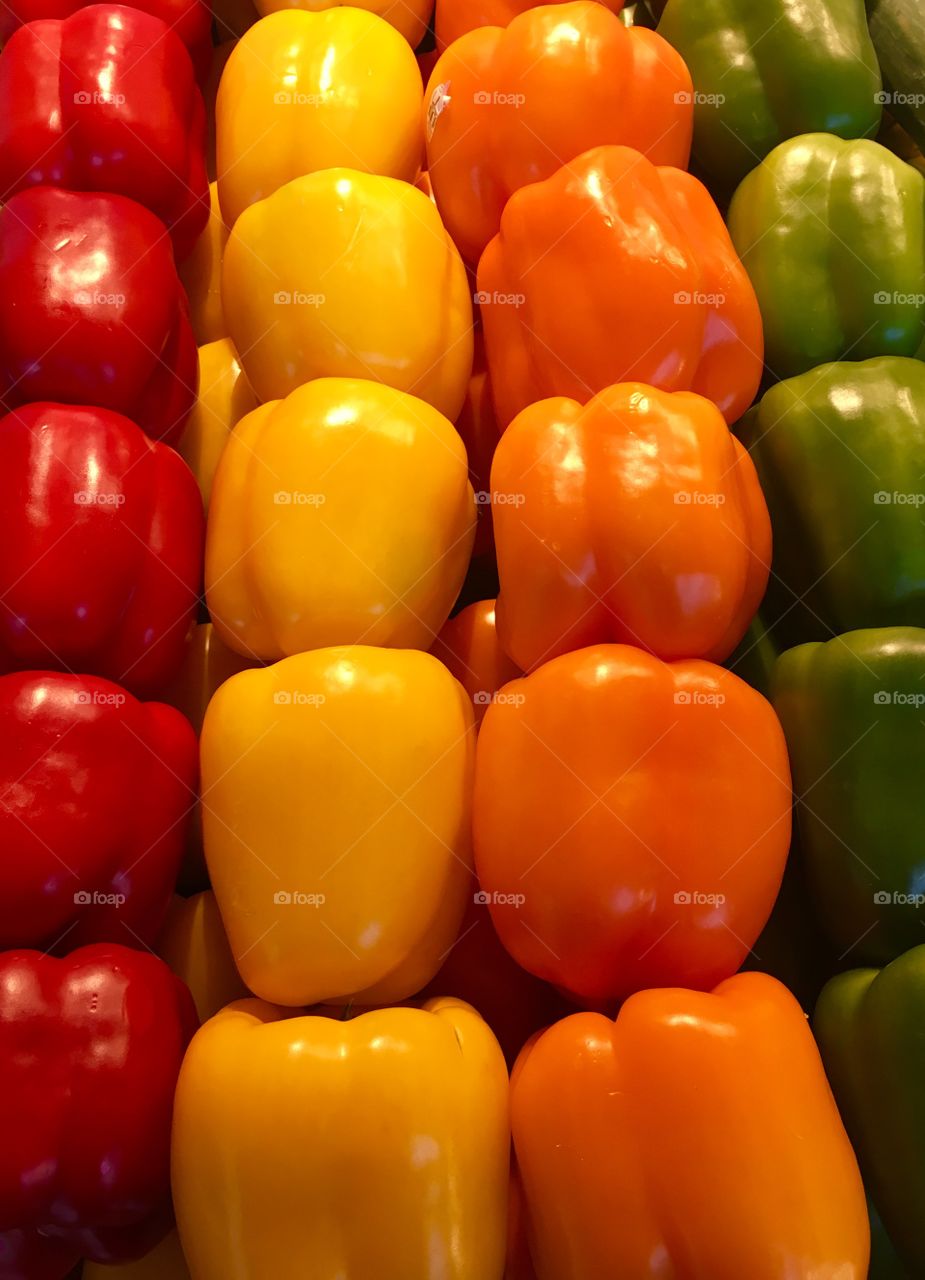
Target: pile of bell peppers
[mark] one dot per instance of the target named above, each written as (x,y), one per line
(462,640)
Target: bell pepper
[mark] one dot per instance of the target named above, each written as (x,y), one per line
(635,518)
(852,713)
(91,309)
(307,545)
(899,43)
(164,1262)
(377,291)
(97,787)
(453,18)
(307,1148)
(101,542)
(201,275)
(190,19)
(225,396)
(765,73)
(478,427)
(631,821)
(832,234)
(90,1050)
(308,91)
(409,17)
(81,107)
(468,646)
(838,452)
(693,1137)
(869,1026)
(370,750)
(194,944)
(615,270)
(505,107)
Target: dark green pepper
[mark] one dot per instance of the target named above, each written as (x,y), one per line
(840,453)
(853,712)
(832,234)
(765,72)
(870,1025)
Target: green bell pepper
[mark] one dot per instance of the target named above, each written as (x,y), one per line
(870,1026)
(852,713)
(840,454)
(766,72)
(832,234)
(898,35)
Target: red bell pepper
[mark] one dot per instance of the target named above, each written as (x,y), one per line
(101,544)
(190,19)
(106,101)
(90,1050)
(92,310)
(95,788)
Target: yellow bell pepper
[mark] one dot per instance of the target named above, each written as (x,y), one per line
(410,17)
(165,1262)
(336,791)
(346,274)
(311,1148)
(225,396)
(201,275)
(340,515)
(194,943)
(307,91)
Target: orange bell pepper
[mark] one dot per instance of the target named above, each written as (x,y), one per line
(505,107)
(615,270)
(478,427)
(469,648)
(454,18)
(637,518)
(695,1138)
(631,821)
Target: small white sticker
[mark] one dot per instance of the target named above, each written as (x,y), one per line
(439,101)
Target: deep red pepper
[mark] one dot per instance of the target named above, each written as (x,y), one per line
(190,19)
(92,310)
(106,101)
(90,1049)
(101,542)
(95,792)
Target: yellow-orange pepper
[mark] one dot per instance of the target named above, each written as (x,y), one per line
(695,1138)
(194,943)
(410,17)
(453,18)
(201,275)
(340,515)
(468,646)
(336,809)
(164,1262)
(308,91)
(349,274)
(225,396)
(310,1148)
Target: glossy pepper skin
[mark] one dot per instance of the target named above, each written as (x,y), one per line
(190,19)
(98,787)
(82,108)
(505,107)
(868,1023)
(225,396)
(378,290)
(91,1050)
(469,647)
(852,713)
(694,1138)
(201,275)
(307,91)
(765,73)
(616,270)
(370,750)
(614,798)
(838,452)
(164,1262)
(287,1132)
(307,545)
(194,944)
(91,310)
(636,518)
(832,234)
(101,545)
(453,18)
(409,17)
